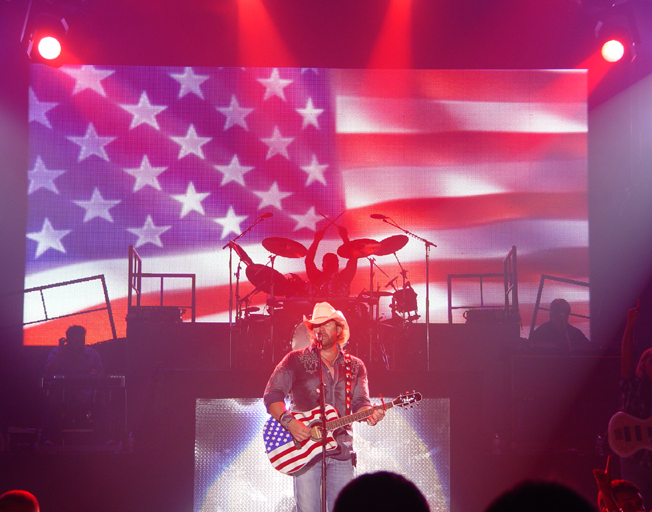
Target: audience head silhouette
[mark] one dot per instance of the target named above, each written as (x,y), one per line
(539,496)
(18,501)
(381,492)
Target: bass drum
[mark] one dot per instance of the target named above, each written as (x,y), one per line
(300,336)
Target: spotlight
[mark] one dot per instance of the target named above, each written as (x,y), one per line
(613,50)
(617,34)
(46,39)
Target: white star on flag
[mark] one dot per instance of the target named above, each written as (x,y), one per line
(235,114)
(234,171)
(146,175)
(277,144)
(97,206)
(274,85)
(38,109)
(190,83)
(48,238)
(315,171)
(144,112)
(310,114)
(230,223)
(272,197)
(87,77)
(191,200)
(191,143)
(307,220)
(91,144)
(149,233)
(40,177)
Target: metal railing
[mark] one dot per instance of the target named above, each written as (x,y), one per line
(136,276)
(509,278)
(107,302)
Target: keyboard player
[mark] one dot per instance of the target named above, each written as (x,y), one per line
(76,407)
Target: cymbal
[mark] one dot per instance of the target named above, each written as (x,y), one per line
(391,245)
(285,247)
(262,277)
(360,248)
(242,254)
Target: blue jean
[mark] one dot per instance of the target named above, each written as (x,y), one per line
(307,486)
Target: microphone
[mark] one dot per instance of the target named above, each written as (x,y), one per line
(266,215)
(378,216)
(391,282)
(318,338)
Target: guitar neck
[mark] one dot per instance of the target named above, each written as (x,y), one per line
(352,418)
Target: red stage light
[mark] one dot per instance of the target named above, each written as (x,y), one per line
(613,50)
(49,47)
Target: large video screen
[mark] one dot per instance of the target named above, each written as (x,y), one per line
(232,471)
(178,161)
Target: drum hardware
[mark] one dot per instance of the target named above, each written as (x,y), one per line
(296,286)
(242,254)
(428,244)
(377,294)
(285,247)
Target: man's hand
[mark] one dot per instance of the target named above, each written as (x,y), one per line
(603,479)
(298,430)
(319,235)
(376,416)
(633,313)
(344,234)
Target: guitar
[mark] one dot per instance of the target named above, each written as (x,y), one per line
(290,457)
(628,434)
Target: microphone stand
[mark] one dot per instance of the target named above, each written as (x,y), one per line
(428,245)
(322,410)
(230,244)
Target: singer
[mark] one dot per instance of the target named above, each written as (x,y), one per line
(346,389)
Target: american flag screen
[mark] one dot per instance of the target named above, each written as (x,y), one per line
(178,161)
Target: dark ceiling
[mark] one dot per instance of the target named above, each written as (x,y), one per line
(335,33)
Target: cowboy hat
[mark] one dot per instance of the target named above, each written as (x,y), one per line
(323,312)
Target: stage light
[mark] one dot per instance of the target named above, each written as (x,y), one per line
(613,50)
(49,47)
(617,35)
(46,38)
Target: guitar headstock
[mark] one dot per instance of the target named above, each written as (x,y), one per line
(407,399)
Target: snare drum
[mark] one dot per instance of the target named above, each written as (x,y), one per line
(300,336)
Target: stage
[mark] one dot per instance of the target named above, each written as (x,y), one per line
(515,411)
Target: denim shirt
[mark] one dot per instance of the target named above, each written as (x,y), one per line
(296,377)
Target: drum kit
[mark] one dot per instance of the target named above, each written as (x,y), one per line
(290,296)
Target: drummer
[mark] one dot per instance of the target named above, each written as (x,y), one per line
(330,282)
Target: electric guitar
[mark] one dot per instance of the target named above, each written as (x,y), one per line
(290,457)
(629,434)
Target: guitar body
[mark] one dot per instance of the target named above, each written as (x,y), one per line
(629,434)
(289,457)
